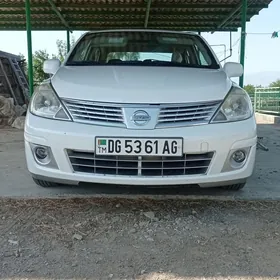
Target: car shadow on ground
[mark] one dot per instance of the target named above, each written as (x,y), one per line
(146,190)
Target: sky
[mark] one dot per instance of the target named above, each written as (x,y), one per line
(262,56)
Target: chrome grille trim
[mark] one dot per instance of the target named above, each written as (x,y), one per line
(186,165)
(114,114)
(187,114)
(94,112)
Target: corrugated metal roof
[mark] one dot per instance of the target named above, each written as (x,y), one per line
(196,15)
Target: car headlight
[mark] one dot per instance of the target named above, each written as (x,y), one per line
(237,106)
(45,103)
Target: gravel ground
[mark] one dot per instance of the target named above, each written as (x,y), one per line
(138,239)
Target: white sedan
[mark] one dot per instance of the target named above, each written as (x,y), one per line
(141,107)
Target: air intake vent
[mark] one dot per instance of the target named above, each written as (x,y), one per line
(188,164)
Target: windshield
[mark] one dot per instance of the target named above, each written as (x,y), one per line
(142,48)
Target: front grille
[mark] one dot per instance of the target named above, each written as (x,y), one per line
(199,113)
(119,115)
(188,164)
(92,112)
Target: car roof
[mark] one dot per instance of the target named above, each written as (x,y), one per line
(142,30)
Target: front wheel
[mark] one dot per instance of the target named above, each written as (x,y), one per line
(235,187)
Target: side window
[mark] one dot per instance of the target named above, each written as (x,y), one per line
(202,56)
(202,59)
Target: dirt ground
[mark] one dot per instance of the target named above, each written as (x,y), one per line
(138,239)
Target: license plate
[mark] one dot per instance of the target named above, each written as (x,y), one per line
(139,146)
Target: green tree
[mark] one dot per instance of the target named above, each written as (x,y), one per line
(62,48)
(275,83)
(38,60)
(40,56)
(250,89)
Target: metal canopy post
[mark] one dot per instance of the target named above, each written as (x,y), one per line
(243,39)
(29,45)
(58,14)
(230,15)
(68,40)
(148,8)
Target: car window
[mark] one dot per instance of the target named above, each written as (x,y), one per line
(142,48)
(202,59)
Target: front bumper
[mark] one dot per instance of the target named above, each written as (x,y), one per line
(61,136)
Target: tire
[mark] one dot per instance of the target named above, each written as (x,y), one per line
(44,184)
(235,187)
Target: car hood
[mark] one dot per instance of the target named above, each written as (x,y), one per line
(139,84)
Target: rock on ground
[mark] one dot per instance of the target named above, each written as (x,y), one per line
(9,113)
(19,122)
(20,110)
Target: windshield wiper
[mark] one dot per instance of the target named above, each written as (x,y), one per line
(162,63)
(83,63)
(147,62)
(120,62)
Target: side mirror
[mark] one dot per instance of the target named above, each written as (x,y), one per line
(233,69)
(50,66)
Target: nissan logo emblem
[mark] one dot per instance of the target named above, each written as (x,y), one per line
(140,117)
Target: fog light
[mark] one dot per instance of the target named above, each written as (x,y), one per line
(41,152)
(239,156)
(43,155)
(236,159)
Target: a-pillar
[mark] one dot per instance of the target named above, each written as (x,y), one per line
(68,40)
